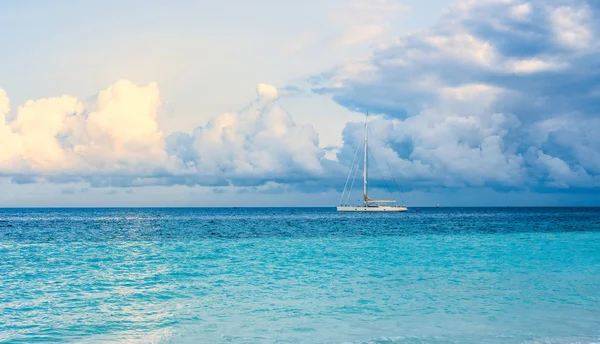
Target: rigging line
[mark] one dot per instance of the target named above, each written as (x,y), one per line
(349,173)
(398,189)
(379,170)
(352,186)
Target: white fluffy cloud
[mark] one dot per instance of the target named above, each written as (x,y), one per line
(458,142)
(255,145)
(120,130)
(500,93)
(11,147)
(115,140)
(572,25)
(116,133)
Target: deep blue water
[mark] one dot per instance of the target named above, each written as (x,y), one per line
(447,275)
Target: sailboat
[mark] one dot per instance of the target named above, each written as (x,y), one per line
(369,204)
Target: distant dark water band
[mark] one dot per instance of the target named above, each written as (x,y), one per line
(101,225)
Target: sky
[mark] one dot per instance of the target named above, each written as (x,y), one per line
(236,103)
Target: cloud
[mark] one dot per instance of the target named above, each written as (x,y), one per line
(571,25)
(37,125)
(120,129)
(116,133)
(447,145)
(258,144)
(534,65)
(266,92)
(500,93)
(115,140)
(10,143)
(521,11)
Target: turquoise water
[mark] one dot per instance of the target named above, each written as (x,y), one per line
(299,276)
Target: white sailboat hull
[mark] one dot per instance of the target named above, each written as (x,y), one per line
(377,209)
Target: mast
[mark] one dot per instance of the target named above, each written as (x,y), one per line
(365,160)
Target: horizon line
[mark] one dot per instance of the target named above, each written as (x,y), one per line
(287,207)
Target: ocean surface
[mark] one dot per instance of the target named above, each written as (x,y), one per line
(278,275)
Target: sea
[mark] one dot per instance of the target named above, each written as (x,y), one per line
(300,275)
